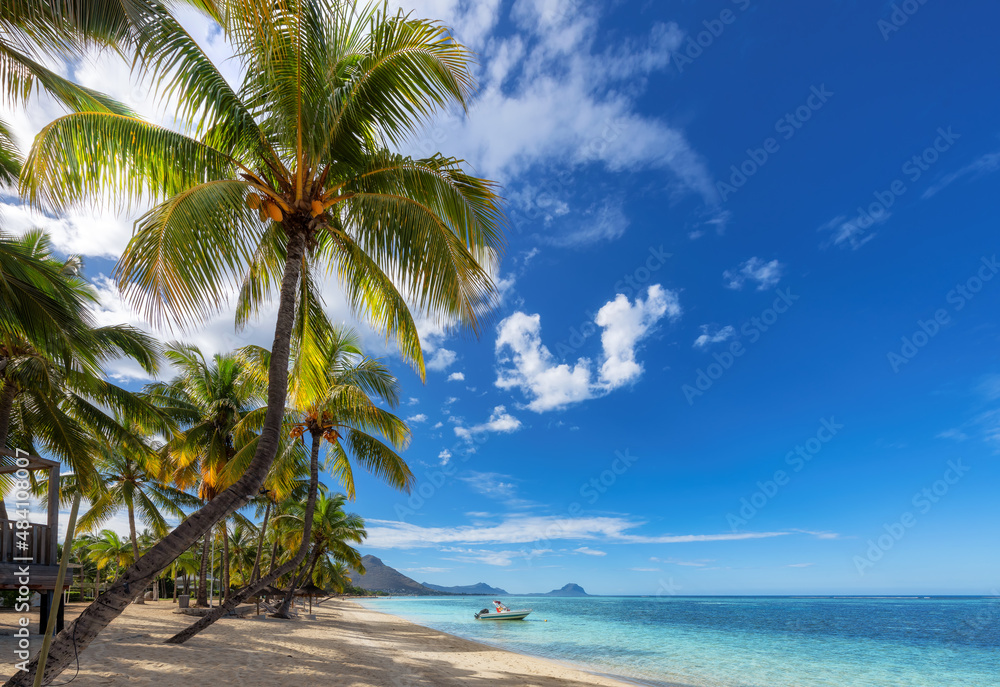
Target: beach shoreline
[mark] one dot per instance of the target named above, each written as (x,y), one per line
(348,644)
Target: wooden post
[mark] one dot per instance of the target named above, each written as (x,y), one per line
(53,514)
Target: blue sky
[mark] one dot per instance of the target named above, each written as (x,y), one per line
(749,304)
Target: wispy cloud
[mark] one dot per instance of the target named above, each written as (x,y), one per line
(986,164)
(765,274)
(710,335)
(587,551)
(391,534)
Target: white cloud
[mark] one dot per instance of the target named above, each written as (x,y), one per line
(604,222)
(856,232)
(456,377)
(391,534)
(442,360)
(520,118)
(645,569)
(490,484)
(587,551)
(550,385)
(493,556)
(980,167)
(419,417)
(765,274)
(709,337)
(444,456)
(500,422)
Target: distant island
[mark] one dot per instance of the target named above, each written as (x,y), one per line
(380,577)
(480,588)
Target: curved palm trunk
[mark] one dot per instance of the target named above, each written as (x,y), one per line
(78,634)
(260,544)
(135,546)
(225,562)
(242,595)
(202,599)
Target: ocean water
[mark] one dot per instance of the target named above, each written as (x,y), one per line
(741,641)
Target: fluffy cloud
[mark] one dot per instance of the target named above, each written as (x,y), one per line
(442,360)
(549,384)
(500,422)
(709,337)
(444,456)
(419,417)
(765,274)
(456,377)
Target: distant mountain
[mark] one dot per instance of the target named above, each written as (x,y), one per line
(379,577)
(568,590)
(478,588)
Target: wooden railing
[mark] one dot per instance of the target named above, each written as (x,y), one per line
(35,544)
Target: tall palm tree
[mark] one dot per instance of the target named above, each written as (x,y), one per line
(282,177)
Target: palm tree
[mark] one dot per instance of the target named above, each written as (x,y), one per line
(127,479)
(211,401)
(282,177)
(333,392)
(54,393)
(332,533)
(109,550)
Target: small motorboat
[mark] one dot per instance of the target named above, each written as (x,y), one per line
(501,612)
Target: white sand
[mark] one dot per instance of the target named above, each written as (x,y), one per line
(346,645)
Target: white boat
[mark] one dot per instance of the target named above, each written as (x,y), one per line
(501,612)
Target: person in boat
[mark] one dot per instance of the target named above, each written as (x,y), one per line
(500,607)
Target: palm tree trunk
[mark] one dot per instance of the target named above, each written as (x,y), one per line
(78,634)
(260,544)
(97,583)
(239,597)
(274,558)
(135,546)
(225,562)
(173,580)
(317,439)
(202,599)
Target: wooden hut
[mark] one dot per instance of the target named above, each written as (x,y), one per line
(38,548)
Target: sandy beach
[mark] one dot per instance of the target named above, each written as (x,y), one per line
(346,645)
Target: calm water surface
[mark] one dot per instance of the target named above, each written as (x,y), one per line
(742,642)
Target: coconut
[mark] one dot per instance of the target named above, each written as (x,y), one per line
(274,212)
(317,208)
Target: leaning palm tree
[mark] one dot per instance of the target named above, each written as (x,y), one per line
(284,177)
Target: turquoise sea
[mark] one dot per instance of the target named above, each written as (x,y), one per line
(741,641)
